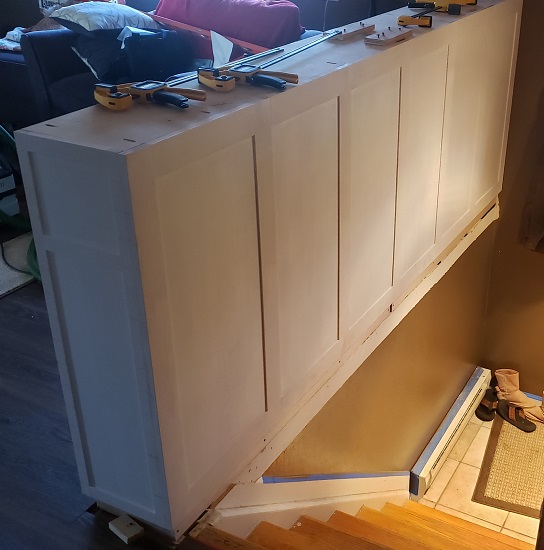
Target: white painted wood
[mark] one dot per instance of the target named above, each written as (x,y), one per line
(465,86)
(300,242)
(210,256)
(242,521)
(86,246)
(305,168)
(260,494)
(223,281)
(500,37)
(202,289)
(368,199)
(423,81)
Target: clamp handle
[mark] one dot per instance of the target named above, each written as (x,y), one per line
(161,97)
(288,77)
(259,79)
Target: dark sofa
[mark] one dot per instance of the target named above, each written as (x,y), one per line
(61,82)
(16,96)
(28,93)
(17,105)
(48,79)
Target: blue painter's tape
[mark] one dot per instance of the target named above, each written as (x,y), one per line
(533,396)
(321,477)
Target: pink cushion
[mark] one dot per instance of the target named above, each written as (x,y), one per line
(267,23)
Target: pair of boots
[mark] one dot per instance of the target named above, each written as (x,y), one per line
(508,388)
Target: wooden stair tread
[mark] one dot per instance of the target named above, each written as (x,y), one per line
(421,509)
(277,538)
(459,534)
(436,540)
(220,540)
(374,533)
(319,530)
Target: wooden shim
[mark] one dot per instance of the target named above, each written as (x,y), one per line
(389,36)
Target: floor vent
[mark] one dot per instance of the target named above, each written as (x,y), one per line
(436,452)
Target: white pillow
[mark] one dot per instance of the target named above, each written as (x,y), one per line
(93,16)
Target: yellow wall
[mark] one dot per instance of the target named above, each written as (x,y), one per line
(515,316)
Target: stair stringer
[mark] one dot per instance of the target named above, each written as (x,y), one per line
(247,504)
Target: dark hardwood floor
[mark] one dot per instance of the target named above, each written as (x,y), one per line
(41,504)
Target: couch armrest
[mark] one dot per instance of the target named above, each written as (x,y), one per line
(49,58)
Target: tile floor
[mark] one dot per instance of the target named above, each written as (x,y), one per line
(452,489)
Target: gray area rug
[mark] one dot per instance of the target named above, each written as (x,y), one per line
(13,266)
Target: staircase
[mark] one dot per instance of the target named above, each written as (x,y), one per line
(409,527)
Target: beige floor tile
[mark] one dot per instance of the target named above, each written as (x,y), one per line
(475,420)
(442,479)
(522,524)
(472,519)
(475,452)
(519,536)
(458,494)
(464,441)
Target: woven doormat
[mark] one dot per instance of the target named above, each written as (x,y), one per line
(512,473)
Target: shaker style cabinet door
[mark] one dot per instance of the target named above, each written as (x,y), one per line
(500,46)
(423,86)
(367,193)
(466,77)
(298,200)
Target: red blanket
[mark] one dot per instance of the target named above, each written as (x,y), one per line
(267,23)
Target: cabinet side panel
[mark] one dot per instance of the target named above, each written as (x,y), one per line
(98,356)
(84,237)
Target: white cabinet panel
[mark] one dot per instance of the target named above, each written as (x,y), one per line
(461,137)
(423,82)
(368,209)
(212,263)
(499,39)
(305,181)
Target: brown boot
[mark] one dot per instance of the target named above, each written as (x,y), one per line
(508,388)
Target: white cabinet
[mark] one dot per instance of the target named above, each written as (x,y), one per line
(207,271)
